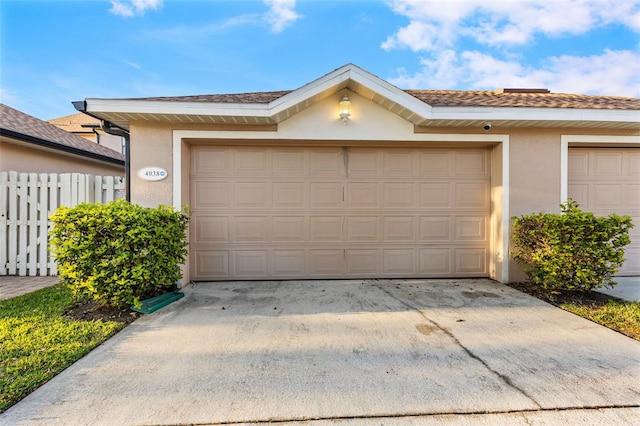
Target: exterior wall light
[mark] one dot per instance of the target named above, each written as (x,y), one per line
(345,109)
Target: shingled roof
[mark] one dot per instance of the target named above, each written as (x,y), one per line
(18,125)
(531,98)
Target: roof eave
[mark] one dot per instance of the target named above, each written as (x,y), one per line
(443,116)
(10,134)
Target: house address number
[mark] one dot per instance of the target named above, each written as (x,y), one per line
(152,173)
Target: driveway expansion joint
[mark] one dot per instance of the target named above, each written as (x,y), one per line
(401,416)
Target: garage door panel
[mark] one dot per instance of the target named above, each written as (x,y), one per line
(471,195)
(327,162)
(470,228)
(326,262)
(397,195)
(436,163)
(253,195)
(607,164)
(471,260)
(398,262)
(212,263)
(363,195)
(293,212)
(289,195)
(436,195)
(211,161)
(362,228)
(363,262)
(252,162)
(435,229)
(326,195)
(398,163)
(471,163)
(435,261)
(250,263)
(578,164)
(632,197)
(579,193)
(211,229)
(398,228)
(363,162)
(325,228)
(250,229)
(289,228)
(210,195)
(607,196)
(287,263)
(289,161)
(633,165)
(609,184)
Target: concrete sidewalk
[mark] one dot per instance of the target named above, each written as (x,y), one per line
(12,286)
(386,352)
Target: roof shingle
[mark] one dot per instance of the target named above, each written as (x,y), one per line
(446,98)
(18,122)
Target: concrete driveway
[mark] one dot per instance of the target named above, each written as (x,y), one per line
(387,352)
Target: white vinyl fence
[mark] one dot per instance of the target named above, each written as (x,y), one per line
(26,202)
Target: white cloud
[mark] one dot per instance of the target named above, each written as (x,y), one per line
(133,7)
(611,73)
(435,25)
(281,14)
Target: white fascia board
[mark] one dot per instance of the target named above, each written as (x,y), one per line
(391,92)
(534,114)
(309,90)
(176,107)
(344,75)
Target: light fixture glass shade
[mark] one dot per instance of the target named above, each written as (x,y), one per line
(345,109)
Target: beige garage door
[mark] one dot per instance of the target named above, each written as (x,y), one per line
(606,181)
(281,212)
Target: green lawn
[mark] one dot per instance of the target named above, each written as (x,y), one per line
(616,315)
(37,342)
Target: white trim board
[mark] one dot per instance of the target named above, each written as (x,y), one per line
(179,135)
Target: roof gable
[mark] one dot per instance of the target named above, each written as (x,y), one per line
(512,107)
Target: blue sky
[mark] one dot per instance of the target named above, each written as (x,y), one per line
(54,52)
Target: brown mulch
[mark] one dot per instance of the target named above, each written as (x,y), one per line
(559,297)
(90,310)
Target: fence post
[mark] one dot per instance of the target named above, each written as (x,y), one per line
(4,212)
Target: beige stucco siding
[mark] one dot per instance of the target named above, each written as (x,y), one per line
(151,145)
(23,159)
(526,164)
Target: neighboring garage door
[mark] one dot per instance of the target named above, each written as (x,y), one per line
(605,181)
(335,212)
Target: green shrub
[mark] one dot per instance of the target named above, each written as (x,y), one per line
(571,250)
(118,253)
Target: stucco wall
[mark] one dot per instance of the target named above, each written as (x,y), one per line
(24,159)
(151,145)
(534,158)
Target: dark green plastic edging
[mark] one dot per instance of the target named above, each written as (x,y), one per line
(155,303)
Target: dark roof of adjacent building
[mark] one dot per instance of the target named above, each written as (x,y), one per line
(18,125)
